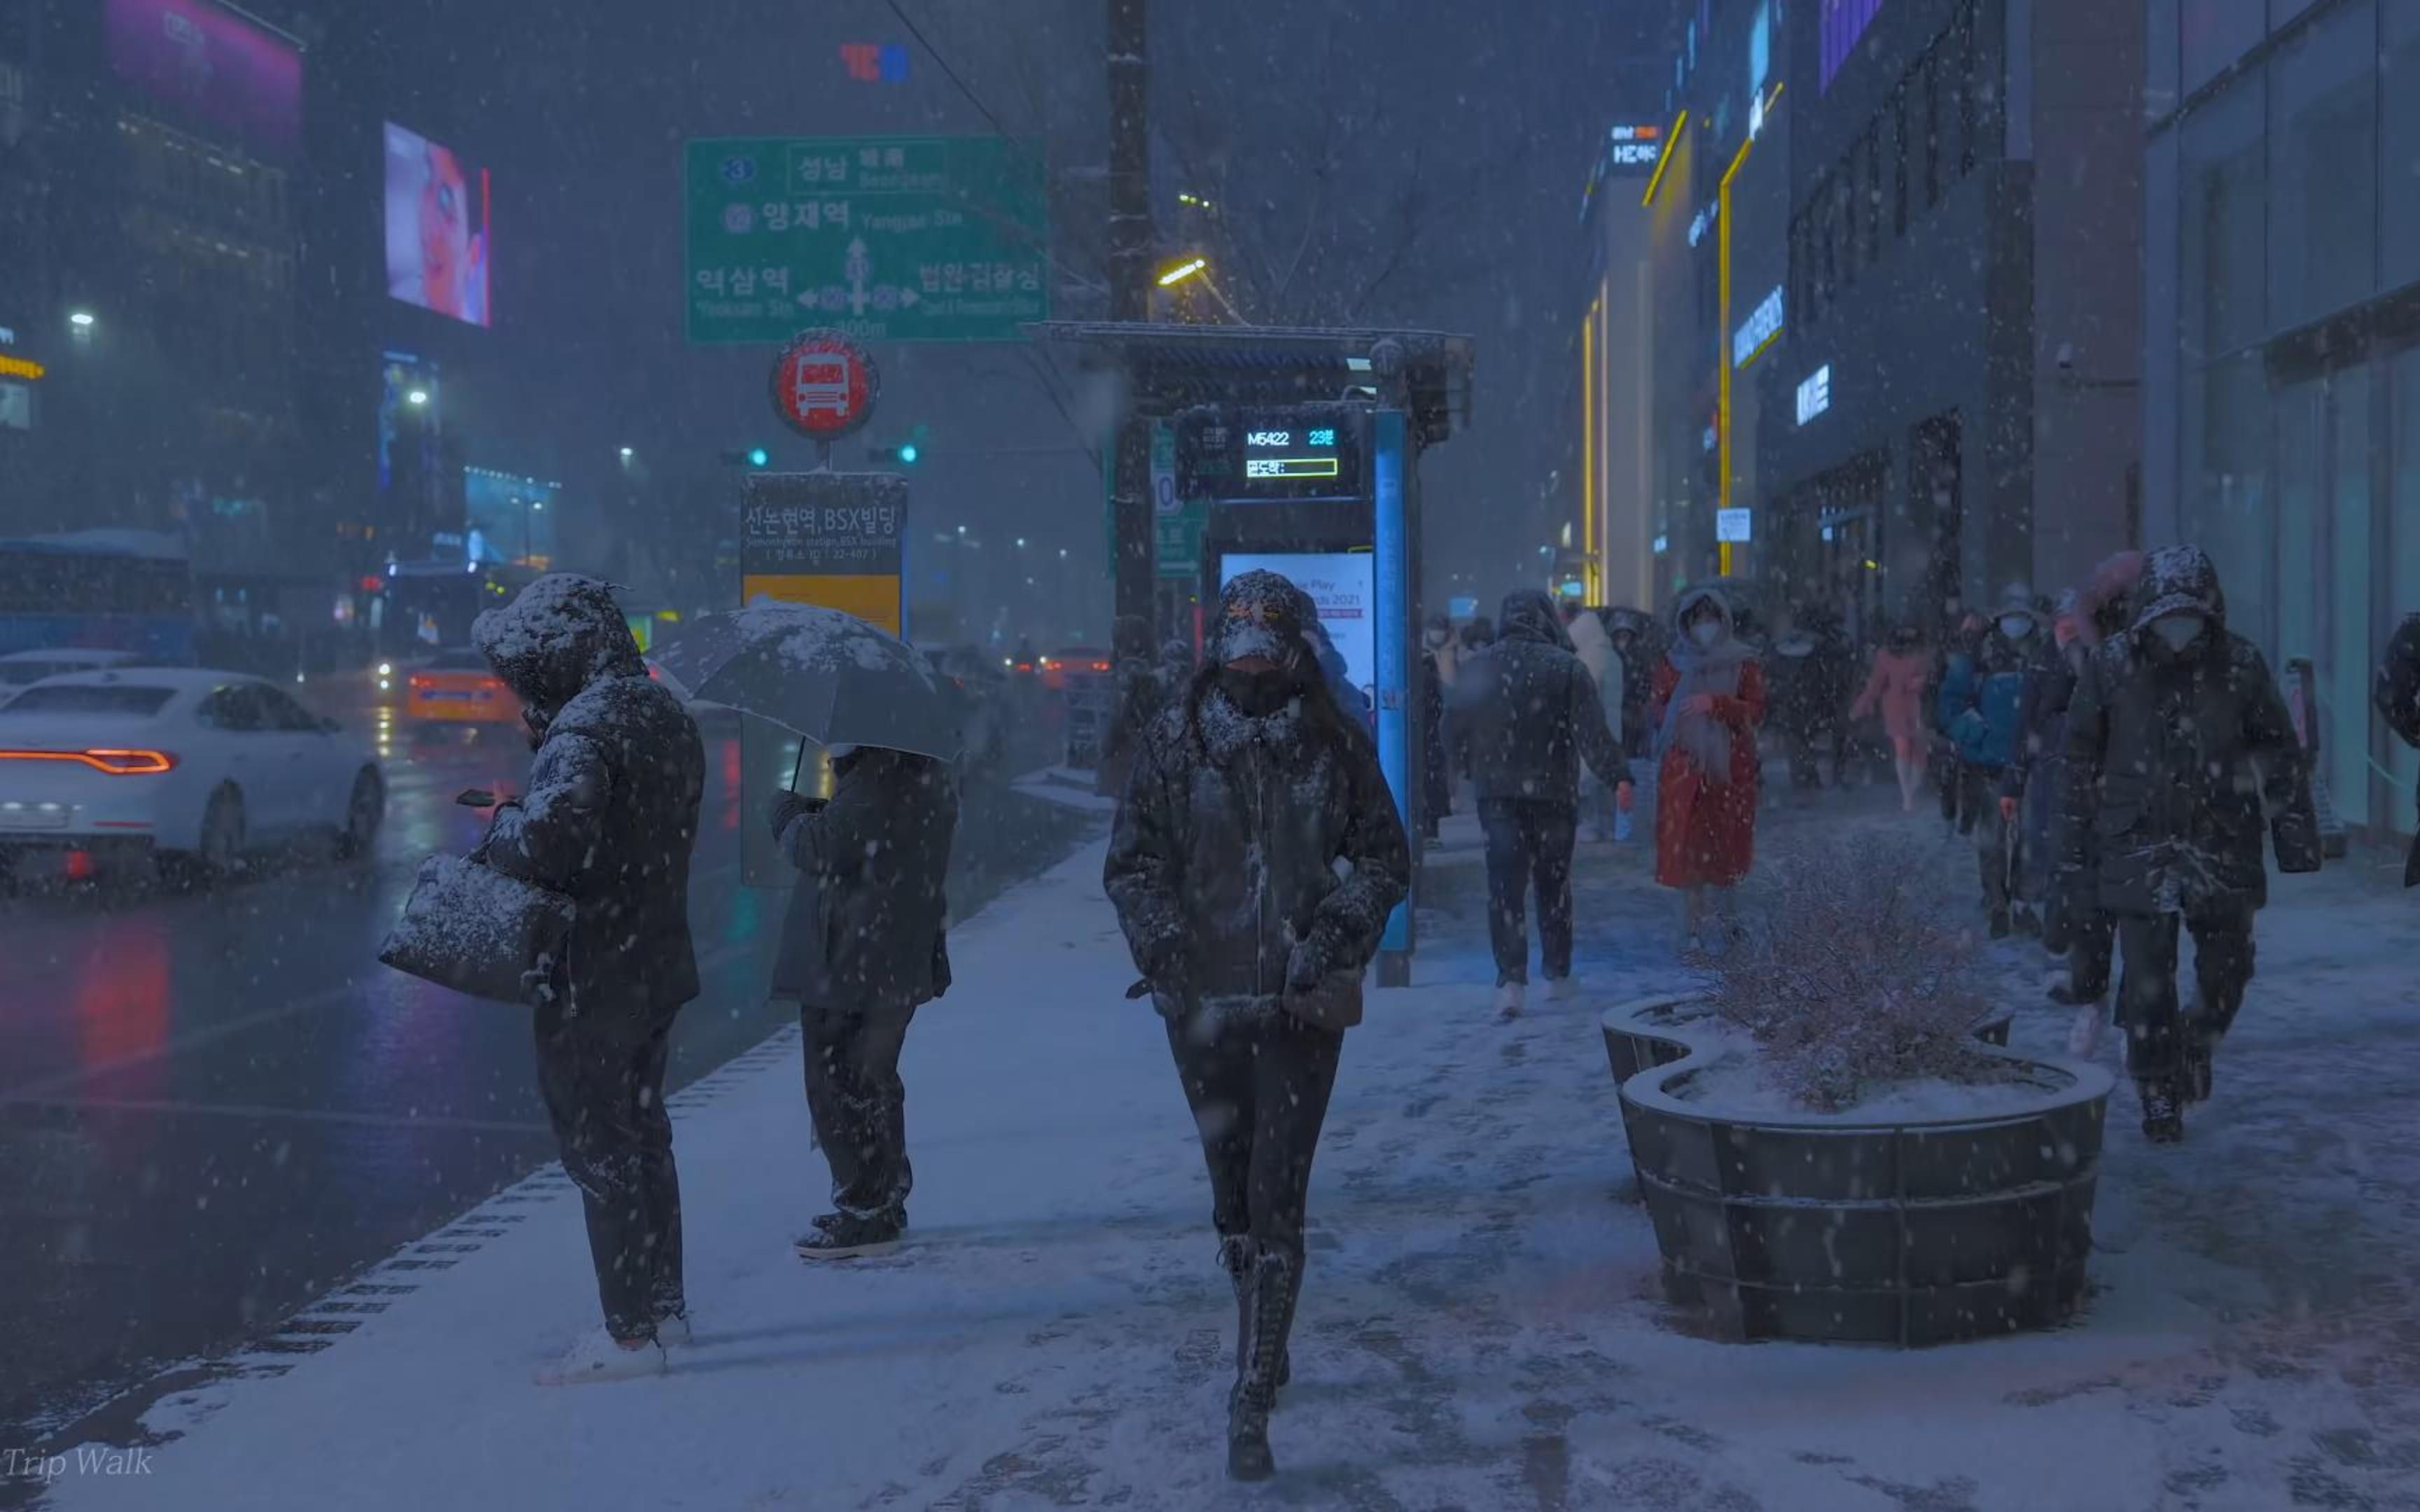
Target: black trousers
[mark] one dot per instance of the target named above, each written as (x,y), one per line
(859,1106)
(1530,841)
(2092,953)
(2146,1000)
(1258,1084)
(603,1082)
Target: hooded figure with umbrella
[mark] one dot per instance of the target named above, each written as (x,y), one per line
(865,941)
(1253,864)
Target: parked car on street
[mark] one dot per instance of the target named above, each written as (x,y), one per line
(189,769)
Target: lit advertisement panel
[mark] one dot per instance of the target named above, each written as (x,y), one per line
(437,228)
(208,69)
(510,518)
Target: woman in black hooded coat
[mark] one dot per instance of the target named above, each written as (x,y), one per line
(1224,870)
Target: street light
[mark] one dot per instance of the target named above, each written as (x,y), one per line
(417,397)
(626,454)
(1200,268)
(81,319)
(1020,543)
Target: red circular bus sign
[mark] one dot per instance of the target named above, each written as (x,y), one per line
(823,385)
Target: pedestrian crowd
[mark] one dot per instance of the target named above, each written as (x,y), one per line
(2116,758)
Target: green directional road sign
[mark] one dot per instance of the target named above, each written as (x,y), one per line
(882,238)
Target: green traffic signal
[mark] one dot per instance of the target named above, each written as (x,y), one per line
(907,452)
(759,456)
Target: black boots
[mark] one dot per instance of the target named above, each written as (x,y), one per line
(2163,1113)
(1265,1293)
(2194,1080)
(1235,1256)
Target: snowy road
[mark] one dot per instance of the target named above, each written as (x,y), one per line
(1481,1325)
(213,1106)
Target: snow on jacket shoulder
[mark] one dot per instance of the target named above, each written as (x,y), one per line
(1529,712)
(867,924)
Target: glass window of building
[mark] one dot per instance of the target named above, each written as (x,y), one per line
(2226,475)
(2159,41)
(2214,33)
(2222,191)
(2323,168)
(2398,135)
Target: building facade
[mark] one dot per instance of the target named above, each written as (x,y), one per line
(2282,365)
(1951,405)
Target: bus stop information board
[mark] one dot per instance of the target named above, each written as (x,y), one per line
(827,538)
(882,238)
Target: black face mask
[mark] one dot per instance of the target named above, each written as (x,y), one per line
(1258,694)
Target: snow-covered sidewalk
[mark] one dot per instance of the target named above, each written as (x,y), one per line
(1481,1327)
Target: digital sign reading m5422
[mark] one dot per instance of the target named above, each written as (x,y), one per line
(1310,453)
(1273,452)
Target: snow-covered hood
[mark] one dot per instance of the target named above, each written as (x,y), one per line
(1528,614)
(561,634)
(1262,614)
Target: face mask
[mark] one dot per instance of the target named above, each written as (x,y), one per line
(2016,626)
(1258,694)
(1706,632)
(2178,630)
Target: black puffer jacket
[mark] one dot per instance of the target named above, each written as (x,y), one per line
(611,809)
(2397,696)
(866,925)
(1528,710)
(1223,862)
(2172,758)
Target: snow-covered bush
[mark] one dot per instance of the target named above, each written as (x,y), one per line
(1850,976)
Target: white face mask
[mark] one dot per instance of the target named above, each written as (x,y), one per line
(2016,626)
(1706,632)
(2178,630)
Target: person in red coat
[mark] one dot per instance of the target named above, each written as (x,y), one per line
(1708,700)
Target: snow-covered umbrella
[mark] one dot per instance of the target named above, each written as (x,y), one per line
(830,677)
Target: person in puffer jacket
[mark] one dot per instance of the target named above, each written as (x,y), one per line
(1253,864)
(1982,707)
(2180,753)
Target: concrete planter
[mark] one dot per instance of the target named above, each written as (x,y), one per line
(1827,1226)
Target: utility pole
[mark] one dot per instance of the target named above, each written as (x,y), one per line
(1130,274)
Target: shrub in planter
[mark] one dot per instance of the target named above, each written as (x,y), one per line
(1829,1145)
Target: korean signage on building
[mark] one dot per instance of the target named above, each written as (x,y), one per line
(1815,393)
(883,238)
(1757,331)
(1633,151)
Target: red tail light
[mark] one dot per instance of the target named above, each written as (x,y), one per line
(115,762)
(1100,666)
(421,683)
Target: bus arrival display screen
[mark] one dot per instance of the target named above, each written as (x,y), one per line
(1276,453)
(1309,453)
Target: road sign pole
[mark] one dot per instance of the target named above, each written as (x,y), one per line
(1130,240)
(823,456)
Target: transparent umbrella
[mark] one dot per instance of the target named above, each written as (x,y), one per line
(831,678)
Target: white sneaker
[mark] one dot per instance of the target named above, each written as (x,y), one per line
(597,1356)
(1508,999)
(674,1333)
(1562,990)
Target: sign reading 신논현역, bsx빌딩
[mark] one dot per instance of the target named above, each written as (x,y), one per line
(825,538)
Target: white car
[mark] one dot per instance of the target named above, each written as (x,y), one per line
(21,669)
(196,768)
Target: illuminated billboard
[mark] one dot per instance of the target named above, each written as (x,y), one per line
(209,70)
(437,228)
(508,518)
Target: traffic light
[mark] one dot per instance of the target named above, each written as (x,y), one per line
(758,456)
(754,457)
(903,454)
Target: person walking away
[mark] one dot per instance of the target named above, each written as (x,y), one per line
(1979,707)
(1632,633)
(2397,694)
(2178,739)
(1948,771)
(1253,864)
(2107,613)
(609,820)
(1797,693)
(863,946)
(1709,701)
(1594,648)
(2037,771)
(1436,775)
(1895,689)
(1531,714)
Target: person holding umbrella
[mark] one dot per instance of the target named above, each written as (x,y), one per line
(1253,864)
(864,944)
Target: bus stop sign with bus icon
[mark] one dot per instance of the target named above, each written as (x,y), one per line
(825,385)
